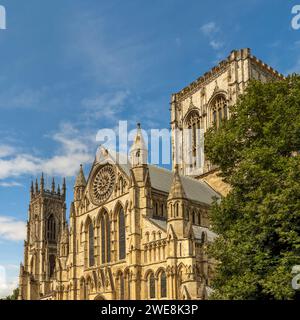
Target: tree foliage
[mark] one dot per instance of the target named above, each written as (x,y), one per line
(14,295)
(258,223)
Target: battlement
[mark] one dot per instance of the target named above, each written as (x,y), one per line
(39,189)
(222,66)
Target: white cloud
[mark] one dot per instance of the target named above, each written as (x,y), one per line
(213,33)
(209,28)
(10,184)
(12,229)
(216,44)
(73,150)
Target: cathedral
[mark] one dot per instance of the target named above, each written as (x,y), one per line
(137,231)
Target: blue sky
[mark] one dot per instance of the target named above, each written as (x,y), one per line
(71,67)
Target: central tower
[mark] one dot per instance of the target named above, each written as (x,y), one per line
(205,103)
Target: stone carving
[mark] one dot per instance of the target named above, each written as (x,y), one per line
(102,184)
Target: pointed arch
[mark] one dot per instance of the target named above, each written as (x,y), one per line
(91,245)
(108,228)
(192,123)
(163,284)
(104,230)
(152,290)
(218,108)
(122,234)
(51,228)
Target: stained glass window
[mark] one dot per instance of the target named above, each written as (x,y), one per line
(151,286)
(91,245)
(51,228)
(122,239)
(163,285)
(107,238)
(102,240)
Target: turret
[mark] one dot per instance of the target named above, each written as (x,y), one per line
(139,150)
(177,205)
(139,158)
(80,185)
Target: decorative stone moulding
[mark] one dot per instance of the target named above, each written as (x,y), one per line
(102,184)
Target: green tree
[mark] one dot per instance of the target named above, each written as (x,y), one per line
(14,295)
(258,223)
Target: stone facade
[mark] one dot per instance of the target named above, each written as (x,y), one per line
(207,101)
(137,231)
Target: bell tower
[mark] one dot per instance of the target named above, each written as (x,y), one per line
(46,221)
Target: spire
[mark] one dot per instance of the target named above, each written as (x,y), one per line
(64,188)
(31,188)
(58,189)
(42,183)
(53,186)
(177,190)
(36,186)
(80,180)
(139,150)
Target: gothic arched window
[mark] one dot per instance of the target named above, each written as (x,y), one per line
(102,227)
(163,285)
(193,123)
(122,235)
(151,286)
(51,228)
(219,109)
(107,239)
(91,245)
